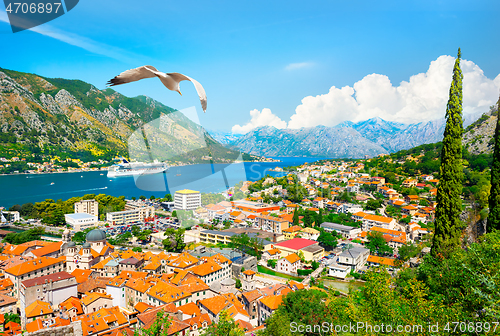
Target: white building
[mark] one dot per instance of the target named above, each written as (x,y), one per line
(338,271)
(289,264)
(90,207)
(81,221)
(52,288)
(354,258)
(130,216)
(187,199)
(11,216)
(344,230)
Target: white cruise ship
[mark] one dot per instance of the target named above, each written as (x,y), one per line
(136,168)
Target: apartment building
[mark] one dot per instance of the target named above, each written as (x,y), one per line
(90,207)
(33,269)
(187,199)
(272,224)
(127,217)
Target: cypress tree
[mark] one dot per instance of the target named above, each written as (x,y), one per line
(494,200)
(449,205)
(295,217)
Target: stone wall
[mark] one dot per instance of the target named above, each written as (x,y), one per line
(74,329)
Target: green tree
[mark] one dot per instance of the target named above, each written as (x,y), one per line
(174,240)
(25,236)
(377,244)
(408,251)
(447,228)
(494,199)
(327,238)
(159,327)
(295,217)
(168,198)
(226,327)
(272,263)
(12,317)
(373,205)
(244,243)
(79,237)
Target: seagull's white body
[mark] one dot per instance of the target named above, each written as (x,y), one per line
(170,80)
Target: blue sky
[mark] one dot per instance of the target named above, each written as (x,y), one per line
(266,58)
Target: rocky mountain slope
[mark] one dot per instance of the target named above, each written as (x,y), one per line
(317,141)
(70,118)
(478,136)
(346,140)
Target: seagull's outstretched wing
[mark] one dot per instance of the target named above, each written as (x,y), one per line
(199,89)
(132,75)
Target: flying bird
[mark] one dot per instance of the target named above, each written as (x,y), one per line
(170,80)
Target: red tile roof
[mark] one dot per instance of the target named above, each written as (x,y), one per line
(296,243)
(49,278)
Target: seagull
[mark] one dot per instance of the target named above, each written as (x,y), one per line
(170,80)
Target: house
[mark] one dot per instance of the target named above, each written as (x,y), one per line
(209,272)
(409,210)
(354,257)
(344,230)
(215,305)
(273,254)
(338,271)
(33,269)
(376,261)
(272,224)
(289,264)
(52,288)
(71,307)
(198,324)
(409,183)
(310,248)
(369,221)
(96,301)
(394,239)
(38,309)
(250,300)
(267,305)
(130,264)
(309,233)
(291,232)
(412,198)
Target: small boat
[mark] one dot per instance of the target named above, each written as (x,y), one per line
(52,183)
(178,175)
(101,174)
(81,176)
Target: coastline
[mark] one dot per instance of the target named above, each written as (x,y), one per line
(101,170)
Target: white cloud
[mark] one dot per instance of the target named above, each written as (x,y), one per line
(81,42)
(295,66)
(422,98)
(264,118)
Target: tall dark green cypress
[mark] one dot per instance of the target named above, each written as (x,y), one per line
(295,217)
(447,225)
(494,200)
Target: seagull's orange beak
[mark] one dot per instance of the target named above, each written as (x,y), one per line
(179,92)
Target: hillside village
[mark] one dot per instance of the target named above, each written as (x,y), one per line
(322,221)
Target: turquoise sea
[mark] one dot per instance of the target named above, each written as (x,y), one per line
(22,188)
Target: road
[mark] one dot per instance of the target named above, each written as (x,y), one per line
(313,274)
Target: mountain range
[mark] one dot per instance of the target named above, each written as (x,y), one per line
(71,118)
(346,140)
